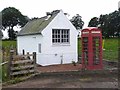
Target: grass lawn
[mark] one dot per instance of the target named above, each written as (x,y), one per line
(110,46)
(3,68)
(111,49)
(8,44)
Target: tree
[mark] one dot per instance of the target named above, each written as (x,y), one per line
(1,34)
(12,17)
(77,21)
(109,24)
(93,22)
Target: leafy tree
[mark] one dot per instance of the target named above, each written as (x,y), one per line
(1,34)
(77,21)
(109,23)
(12,17)
(93,22)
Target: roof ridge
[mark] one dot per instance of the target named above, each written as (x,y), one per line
(36,26)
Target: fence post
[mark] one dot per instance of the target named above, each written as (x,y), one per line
(23,52)
(28,57)
(10,63)
(16,51)
(34,58)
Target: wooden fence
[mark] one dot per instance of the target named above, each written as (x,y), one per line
(21,65)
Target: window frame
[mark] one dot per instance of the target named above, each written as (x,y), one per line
(60,36)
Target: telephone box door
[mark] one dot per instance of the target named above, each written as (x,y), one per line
(91,48)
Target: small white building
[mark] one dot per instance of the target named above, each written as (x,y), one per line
(52,37)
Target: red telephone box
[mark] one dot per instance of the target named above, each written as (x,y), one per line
(91,48)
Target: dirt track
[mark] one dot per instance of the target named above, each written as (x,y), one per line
(60,76)
(70,80)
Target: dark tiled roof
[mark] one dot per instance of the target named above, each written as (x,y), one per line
(36,26)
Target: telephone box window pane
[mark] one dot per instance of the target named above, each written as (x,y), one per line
(96,44)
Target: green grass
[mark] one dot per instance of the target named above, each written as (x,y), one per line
(111,49)
(8,44)
(79,47)
(110,46)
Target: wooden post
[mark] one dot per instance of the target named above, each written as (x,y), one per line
(28,57)
(34,58)
(23,52)
(10,63)
(16,51)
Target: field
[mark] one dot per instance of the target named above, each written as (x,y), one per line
(110,46)
(111,49)
(110,53)
(8,44)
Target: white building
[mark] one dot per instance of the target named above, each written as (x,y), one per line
(52,37)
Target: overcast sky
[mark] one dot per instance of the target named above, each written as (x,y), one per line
(85,8)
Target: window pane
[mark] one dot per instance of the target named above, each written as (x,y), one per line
(67,40)
(53,40)
(39,48)
(59,40)
(60,35)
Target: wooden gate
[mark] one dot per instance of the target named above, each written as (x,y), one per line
(21,65)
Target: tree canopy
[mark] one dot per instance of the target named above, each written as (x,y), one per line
(12,17)
(77,21)
(1,34)
(93,22)
(109,23)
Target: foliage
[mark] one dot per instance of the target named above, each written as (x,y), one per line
(77,21)
(93,22)
(109,23)
(1,34)
(74,63)
(12,17)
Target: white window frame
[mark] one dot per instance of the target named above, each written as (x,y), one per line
(61,36)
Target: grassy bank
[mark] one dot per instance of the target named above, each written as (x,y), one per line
(110,51)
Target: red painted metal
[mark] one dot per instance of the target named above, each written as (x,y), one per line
(91,48)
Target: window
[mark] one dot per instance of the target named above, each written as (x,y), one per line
(39,48)
(61,36)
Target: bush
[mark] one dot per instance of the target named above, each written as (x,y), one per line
(74,63)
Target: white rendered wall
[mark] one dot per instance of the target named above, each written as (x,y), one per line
(28,43)
(52,54)
(55,53)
